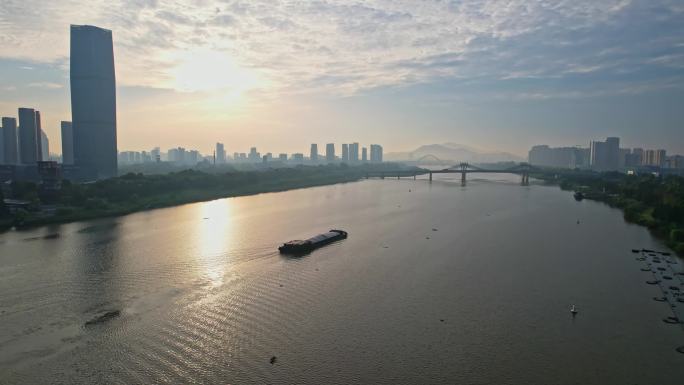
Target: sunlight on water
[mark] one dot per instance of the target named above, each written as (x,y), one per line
(214,237)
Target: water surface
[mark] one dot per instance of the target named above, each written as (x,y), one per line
(437,283)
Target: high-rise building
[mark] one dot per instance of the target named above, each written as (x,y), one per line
(623,154)
(177,155)
(649,158)
(2,145)
(354,153)
(282,157)
(582,157)
(638,156)
(330,152)
(44,146)
(28,140)
(93,101)
(660,157)
(9,134)
(254,155)
(39,139)
(633,159)
(364,155)
(298,158)
(613,153)
(314,153)
(605,155)
(220,153)
(67,143)
(375,153)
(345,153)
(193,157)
(561,157)
(677,161)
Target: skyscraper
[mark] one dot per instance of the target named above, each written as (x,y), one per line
(637,156)
(297,158)
(660,157)
(28,140)
(375,153)
(345,152)
(39,138)
(67,143)
(364,155)
(562,157)
(330,152)
(254,155)
(9,134)
(93,101)
(353,153)
(44,146)
(649,158)
(314,153)
(605,155)
(613,147)
(220,153)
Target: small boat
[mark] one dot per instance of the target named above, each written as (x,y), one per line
(573,310)
(305,246)
(578,196)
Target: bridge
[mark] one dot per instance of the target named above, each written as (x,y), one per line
(522,169)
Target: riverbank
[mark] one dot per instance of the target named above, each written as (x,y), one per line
(137,192)
(646,200)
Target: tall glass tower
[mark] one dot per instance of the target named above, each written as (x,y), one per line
(93,101)
(28,138)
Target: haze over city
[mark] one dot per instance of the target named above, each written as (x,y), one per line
(281,75)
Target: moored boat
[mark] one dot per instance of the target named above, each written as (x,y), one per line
(307,245)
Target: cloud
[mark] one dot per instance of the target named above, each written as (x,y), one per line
(48,85)
(344,47)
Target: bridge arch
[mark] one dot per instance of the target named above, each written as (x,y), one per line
(430,156)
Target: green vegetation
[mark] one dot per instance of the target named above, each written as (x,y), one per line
(135,192)
(648,200)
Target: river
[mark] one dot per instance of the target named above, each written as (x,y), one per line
(437,283)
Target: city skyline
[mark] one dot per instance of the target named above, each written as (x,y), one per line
(488,84)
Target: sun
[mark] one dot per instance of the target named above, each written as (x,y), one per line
(206,70)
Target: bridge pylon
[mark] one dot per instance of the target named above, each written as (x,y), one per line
(525,178)
(464,167)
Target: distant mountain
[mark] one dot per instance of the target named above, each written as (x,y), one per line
(454,153)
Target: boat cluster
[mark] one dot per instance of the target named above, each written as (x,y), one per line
(668,278)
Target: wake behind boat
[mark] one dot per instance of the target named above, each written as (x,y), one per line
(305,246)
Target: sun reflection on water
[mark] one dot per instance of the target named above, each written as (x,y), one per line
(214,235)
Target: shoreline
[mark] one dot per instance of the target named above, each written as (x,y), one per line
(641,216)
(179,198)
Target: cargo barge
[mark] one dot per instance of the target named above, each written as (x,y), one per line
(305,246)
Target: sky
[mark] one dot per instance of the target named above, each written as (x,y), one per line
(279,75)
